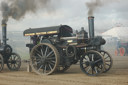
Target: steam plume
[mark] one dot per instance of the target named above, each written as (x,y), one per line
(17,9)
(94,4)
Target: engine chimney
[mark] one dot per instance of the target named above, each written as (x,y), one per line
(4,25)
(91,26)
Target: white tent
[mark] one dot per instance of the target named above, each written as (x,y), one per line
(119,32)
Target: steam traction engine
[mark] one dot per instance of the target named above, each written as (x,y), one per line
(55,49)
(12,60)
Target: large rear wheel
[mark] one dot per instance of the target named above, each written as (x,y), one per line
(92,63)
(44,59)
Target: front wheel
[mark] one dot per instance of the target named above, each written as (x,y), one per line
(92,63)
(14,62)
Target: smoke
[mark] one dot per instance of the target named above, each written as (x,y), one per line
(92,6)
(95,4)
(17,9)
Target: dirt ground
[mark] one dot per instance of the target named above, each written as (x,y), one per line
(118,75)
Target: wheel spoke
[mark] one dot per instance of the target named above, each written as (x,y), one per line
(107,64)
(49,54)
(46,50)
(37,59)
(42,52)
(100,67)
(11,65)
(51,58)
(18,60)
(50,66)
(83,63)
(17,64)
(85,58)
(11,58)
(98,60)
(107,61)
(39,55)
(38,62)
(14,66)
(89,58)
(52,63)
(37,51)
(96,70)
(40,67)
(14,57)
(89,69)
(92,57)
(86,67)
(107,57)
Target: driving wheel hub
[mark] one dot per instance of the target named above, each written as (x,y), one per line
(92,63)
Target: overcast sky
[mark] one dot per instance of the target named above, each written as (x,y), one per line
(75,14)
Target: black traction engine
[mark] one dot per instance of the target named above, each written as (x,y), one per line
(7,56)
(56,48)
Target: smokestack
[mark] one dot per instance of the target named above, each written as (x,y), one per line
(91,26)
(4,25)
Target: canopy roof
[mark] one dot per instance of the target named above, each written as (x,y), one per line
(47,30)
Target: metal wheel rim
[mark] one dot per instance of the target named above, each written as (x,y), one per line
(90,65)
(14,62)
(44,59)
(108,60)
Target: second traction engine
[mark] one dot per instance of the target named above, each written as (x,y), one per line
(7,56)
